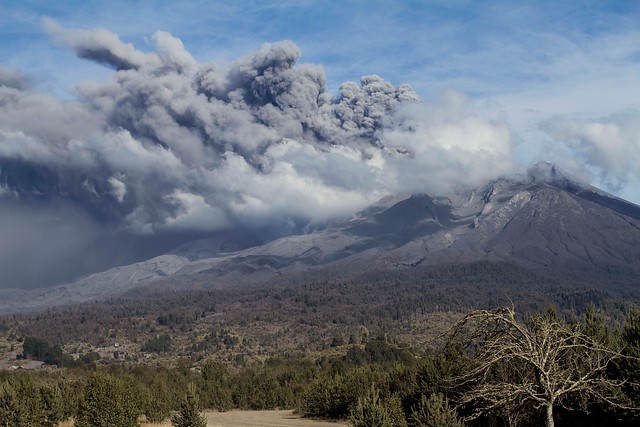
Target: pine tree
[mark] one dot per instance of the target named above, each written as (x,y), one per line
(189,414)
(10,408)
(107,403)
(371,412)
(434,412)
(52,405)
(394,407)
(157,400)
(216,386)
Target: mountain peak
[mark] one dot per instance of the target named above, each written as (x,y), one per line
(546,172)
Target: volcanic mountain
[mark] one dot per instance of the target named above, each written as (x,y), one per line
(541,221)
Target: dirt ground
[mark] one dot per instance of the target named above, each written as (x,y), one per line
(252,419)
(263,419)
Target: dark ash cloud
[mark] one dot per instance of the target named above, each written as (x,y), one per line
(98,45)
(170,149)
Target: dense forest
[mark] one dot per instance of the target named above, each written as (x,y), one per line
(452,347)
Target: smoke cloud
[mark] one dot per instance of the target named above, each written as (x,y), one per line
(168,149)
(609,145)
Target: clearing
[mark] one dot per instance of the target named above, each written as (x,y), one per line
(264,419)
(252,419)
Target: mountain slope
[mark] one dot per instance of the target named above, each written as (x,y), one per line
(542,221)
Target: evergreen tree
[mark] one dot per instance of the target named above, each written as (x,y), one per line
(157,399)
(594,325)
(328,396)
(52,405)
(107,403)
(394,407)
(27,391)
(434,412)
(627,369)
(216,386)
(70,393)
(371,412)
(11,410)
(189,414)
(22,404)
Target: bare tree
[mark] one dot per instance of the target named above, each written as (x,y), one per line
(538,363)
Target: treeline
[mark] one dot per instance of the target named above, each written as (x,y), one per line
(52,354)
(121,394)
(381,382)
(320,308)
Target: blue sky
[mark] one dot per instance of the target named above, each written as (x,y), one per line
(483,48)
(552,70)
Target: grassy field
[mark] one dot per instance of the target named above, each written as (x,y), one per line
(251,419)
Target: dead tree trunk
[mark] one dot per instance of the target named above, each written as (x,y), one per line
(548,421)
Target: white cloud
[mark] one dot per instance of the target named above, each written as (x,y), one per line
(194,213)
(610,145)
(119,188)
(447,146)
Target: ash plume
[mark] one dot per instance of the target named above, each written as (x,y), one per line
(169,149)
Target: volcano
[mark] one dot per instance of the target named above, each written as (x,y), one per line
(541,221)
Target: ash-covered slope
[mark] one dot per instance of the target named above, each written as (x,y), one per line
(541,221)
(566,230)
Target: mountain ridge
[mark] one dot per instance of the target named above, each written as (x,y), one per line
(543,221)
